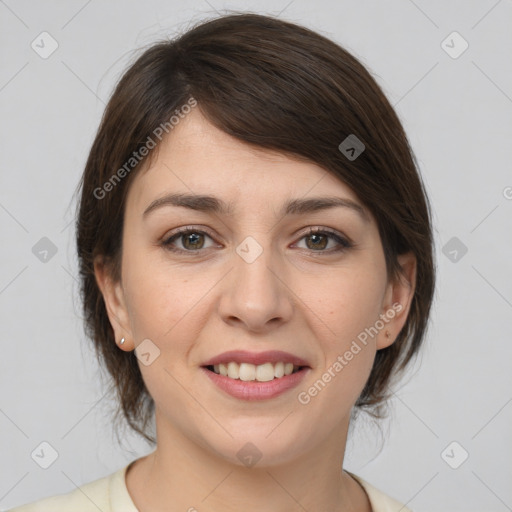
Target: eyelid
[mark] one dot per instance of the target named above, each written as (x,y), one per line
(343,241)
(327,231)
(188,227)
(185,230)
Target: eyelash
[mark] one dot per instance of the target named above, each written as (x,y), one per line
(344,244)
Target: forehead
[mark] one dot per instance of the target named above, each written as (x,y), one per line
(196,157)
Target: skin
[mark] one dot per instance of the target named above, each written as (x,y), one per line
(297,296)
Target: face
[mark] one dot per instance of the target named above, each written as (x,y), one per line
(288,268)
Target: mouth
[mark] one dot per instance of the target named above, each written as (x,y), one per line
(248,372)
(255,376)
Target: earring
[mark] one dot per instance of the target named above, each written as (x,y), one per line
(387,334)
(122,341)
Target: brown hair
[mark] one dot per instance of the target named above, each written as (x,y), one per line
(275,85)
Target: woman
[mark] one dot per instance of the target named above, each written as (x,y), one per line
(256,262)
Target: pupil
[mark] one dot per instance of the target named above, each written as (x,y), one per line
(317,237)
(192,239)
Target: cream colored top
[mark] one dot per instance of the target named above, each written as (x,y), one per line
(110,494)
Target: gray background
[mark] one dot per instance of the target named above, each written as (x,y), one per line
(457,113)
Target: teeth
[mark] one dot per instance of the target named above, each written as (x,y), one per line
(264,372)
(233,370)
(250,372)
(247,371)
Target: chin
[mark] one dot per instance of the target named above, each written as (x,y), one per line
(262,442)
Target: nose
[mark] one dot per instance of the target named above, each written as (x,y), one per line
(255,294)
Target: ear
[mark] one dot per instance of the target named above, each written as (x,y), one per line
(113,295)
(397,301)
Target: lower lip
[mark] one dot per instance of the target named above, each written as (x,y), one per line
(255,390)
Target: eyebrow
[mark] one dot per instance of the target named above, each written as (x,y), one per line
(211,204)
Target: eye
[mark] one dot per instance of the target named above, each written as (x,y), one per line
(318,239)
(191,240)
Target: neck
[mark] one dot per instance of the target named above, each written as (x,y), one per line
(181,475)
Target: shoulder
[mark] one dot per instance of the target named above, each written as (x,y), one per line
(379,501)
(89,497)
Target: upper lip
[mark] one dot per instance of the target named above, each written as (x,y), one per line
(256,358)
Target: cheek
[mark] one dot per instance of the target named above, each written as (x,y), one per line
(157,296)
(351,309)
(349,301)
(164,307)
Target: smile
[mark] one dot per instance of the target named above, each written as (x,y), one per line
(248,372)
(254,389)
(250,375)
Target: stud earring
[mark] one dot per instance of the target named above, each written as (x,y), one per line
(122,341)
(388,334)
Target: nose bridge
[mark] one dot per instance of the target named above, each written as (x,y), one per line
(255,294)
